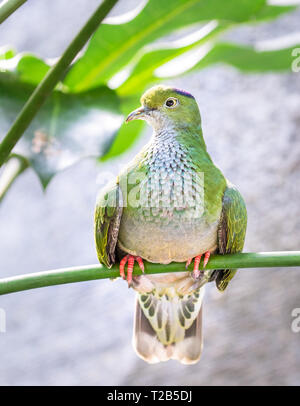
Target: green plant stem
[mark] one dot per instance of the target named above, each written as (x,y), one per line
(93,272)
(7,7)
(13,168)
(49,82)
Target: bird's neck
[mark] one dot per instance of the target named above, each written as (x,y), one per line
(179,134)
(173,145)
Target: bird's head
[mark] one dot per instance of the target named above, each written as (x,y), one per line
(167,107)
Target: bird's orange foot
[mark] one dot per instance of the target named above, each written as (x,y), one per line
(130,260)
(196,272)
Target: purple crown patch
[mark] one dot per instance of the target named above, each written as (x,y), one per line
(183,93)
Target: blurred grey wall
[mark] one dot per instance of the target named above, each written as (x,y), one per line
(81,334)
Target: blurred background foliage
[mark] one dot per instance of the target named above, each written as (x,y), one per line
(80,333)
(157,40)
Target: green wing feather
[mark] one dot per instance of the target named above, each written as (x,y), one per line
(232,231)
(108,214)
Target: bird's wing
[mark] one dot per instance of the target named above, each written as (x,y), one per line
(108,215)
(231,231)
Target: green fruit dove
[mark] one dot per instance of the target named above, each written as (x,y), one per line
(171,203)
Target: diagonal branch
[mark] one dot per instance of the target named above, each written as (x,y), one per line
(49,82)
(7,7)
(93,272)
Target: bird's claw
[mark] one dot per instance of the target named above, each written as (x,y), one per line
(129,259)
(196,273)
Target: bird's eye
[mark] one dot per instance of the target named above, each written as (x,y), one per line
(171,102)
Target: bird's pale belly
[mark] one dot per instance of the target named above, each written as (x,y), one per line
(174,240)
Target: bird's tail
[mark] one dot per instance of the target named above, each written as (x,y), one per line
(168,327)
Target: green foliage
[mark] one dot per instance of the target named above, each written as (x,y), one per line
(84,113)
(69,127)
(113,46)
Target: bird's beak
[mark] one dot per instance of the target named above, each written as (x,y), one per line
(137,114)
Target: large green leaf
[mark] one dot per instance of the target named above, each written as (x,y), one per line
(113,46)
(245,58)
(162,63)
(142,71)
(269,12)
(83,115)
(68,127)
(249,59)
(31,69)
(152,57)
